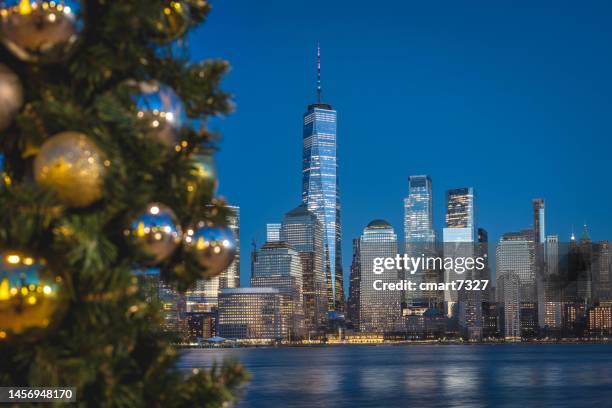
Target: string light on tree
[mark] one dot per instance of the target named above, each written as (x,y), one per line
(31,297)
(41,31)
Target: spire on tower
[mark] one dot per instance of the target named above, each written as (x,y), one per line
(318,73)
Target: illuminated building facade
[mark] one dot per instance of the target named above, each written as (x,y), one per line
(508,301)
(303,232)
(250,314)
(379,310)
(320,189)
(278,266)
(419,235)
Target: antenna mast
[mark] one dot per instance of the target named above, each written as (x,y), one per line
(318,73)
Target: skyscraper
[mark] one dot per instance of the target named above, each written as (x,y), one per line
(320,190)
(552,292)
(230,277)
(460,214)
(539,239)
(458,235)
(278,266)
(354,285)
(418,212)
(539,221)
(516,255)
(379,310)
(419,235)
(508,299)
(552,255)
(602,268)
(302,231)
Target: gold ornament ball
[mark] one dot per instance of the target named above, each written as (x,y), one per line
(40,31)
(205,171)
(173,21)
(157,232)
(11,96)
(213,248)
(31,297)
(73,166)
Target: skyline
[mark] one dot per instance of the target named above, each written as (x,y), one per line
(508,97)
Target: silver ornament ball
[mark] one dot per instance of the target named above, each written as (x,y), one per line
(11,96)
(41,31)
(161,109)
(213,248)
(156,231)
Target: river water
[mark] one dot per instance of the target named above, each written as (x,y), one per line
(508,375)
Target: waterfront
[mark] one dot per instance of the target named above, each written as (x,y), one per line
(543,375)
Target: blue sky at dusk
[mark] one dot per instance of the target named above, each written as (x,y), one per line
(512,98)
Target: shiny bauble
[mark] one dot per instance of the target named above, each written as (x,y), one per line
(205,172)
(11,96)
(161,109)
(41,31)
(213,248)
(174,19)
(156,232)
(72,165)
(31,296)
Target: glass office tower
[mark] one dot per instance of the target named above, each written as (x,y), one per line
(379,310)
(418,212)
(459,234)
(230,277)
(419,235)
(278,266)
(302,231)
(320,191)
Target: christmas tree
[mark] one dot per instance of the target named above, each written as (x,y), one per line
(106,171)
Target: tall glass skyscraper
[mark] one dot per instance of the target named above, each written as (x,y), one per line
(320,191)
(418,212)
(419,235)
(230,277)
(459,236)
(539,225)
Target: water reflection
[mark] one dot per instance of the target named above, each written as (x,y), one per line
(423,376)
